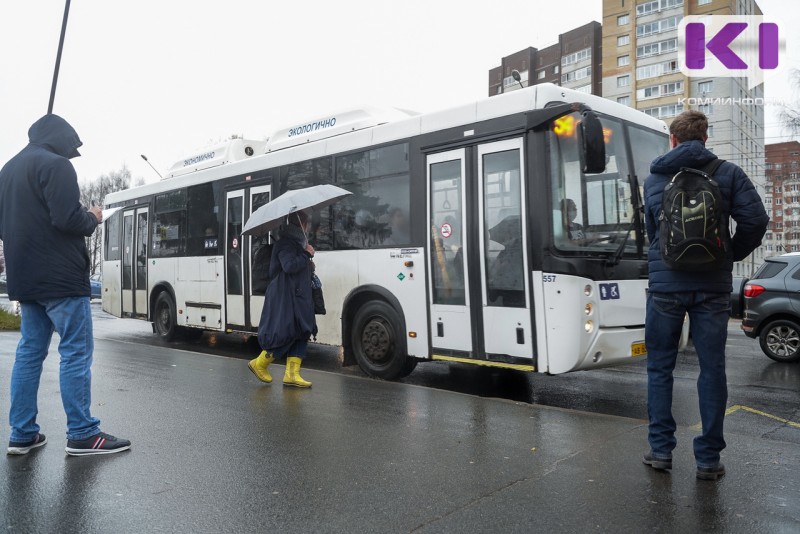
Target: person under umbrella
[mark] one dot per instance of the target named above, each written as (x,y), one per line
(287,319)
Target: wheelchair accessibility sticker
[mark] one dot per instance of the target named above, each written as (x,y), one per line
(609,291)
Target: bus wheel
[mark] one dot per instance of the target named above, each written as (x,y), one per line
(376,341)
(164,317)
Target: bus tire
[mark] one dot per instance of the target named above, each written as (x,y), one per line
(377,341)
(164,318)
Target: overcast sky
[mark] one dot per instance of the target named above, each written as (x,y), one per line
(166,77)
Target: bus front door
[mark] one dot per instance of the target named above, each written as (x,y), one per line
(244,296)
(504,273)
(480,301)
(134,262)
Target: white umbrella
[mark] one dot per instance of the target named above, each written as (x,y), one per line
(272,214)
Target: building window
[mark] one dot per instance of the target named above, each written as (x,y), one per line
(655,6)
(705,87)
(659,69)
(711,130)
(555,69)
(624,100)
(653,49)
(658,26)
(661,112)
(623,60)
(576,57)
(703,2)
(540,75)
(623,40)
(576,75)
(623,20)
(655,91)
(623,81)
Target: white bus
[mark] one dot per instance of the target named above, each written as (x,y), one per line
(507,232)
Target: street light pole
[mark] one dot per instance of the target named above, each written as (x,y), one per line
(151,165)
(58,58)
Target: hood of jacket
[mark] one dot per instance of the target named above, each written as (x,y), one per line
(692,154)
(56,134)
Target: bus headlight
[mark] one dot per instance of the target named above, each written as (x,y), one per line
(588,326)
(588,309)
(587,290)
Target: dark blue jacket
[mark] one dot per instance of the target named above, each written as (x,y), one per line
(42,223)
(288,313)
(740,202)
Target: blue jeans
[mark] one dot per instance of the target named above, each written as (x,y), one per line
(708,319)
(72,318)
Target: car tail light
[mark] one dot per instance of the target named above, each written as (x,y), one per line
(753,290)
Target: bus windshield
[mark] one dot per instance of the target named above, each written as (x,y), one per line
(595,213)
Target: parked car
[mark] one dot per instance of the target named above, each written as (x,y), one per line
(772,307)
(96,281)
(737,296)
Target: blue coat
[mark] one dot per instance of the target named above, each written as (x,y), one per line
(740,201)
(288,313)
(42,223)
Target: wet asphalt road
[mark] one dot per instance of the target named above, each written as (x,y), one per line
(756,384)
(216,451)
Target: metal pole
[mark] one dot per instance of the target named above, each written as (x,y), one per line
(58,59)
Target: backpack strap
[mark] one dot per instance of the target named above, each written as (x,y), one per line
(711,167)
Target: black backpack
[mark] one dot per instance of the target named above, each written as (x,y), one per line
(692,225)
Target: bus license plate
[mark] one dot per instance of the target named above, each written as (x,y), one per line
(638,349)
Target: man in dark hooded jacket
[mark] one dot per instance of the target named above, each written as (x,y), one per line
(705,296)
(43,228)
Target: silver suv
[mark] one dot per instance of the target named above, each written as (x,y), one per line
(772,307)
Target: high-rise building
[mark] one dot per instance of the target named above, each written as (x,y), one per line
(782,198)
(573,62)
(641,69)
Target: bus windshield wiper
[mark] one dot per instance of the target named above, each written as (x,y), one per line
(638,212)
(615,258)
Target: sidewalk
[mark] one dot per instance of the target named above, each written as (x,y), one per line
(216,451)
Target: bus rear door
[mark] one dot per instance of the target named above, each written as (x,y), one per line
(134,262)
(243,300)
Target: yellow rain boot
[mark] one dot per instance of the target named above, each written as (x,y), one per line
(292,376)
(259,366)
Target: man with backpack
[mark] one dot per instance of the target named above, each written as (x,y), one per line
(689,200)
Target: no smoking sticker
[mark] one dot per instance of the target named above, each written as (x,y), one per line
(446,230)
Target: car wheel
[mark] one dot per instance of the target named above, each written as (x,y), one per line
(164,317)
(377,342)
(780,340)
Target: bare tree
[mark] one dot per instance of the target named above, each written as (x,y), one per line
(789,115)
(95,192)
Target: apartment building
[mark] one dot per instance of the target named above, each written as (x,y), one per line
(641,69)
(782,198)
(573,62)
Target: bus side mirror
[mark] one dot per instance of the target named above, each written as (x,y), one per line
(593,144)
